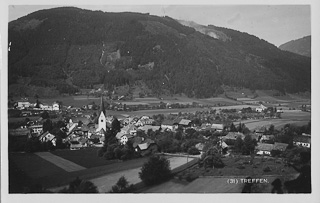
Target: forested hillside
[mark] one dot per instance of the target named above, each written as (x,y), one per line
(70,48)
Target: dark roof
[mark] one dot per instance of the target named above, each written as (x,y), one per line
(167,122)
(303,139)
(264,147)
(234,135)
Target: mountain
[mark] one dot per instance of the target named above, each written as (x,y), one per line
(69,48)
(300,46)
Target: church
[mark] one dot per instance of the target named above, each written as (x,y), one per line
(102,119)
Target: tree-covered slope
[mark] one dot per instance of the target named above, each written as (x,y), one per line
(67,48)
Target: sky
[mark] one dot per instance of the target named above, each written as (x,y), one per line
(276,24)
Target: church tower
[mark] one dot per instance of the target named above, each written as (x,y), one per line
(102,121)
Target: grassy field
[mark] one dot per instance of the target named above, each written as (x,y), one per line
(84,157)
(27,169)
(298,118)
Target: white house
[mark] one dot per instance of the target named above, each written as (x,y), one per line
(45,107)
(217,127)
(264,149)
(261,108)
(303,141)
(36,129)
(55,106)
(167,125)
(23,104)
(45,137)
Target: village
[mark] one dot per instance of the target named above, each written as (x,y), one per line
(78,128)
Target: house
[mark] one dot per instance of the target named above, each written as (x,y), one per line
(148,146)
(217,127)
(55,106)
(48,137)
(125,138)
(233,136)
(23,104)
(129,129)
(46,107)
(303,141)
(145,121)
(261,108)
(167,125)
(185,123)
(264,149)
(151,127)
(267,139)
(36,129)
(75,145)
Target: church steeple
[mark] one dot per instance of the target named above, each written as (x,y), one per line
(102,109)
(102,123)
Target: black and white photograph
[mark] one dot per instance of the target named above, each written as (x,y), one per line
(160,99)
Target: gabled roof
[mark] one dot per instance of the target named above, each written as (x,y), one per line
(217,126)
(234,135)
(184,122)
(303,139)
(268,137)
(264,147)
(167,122)
(147,127)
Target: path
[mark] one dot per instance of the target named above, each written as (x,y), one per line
(60,162)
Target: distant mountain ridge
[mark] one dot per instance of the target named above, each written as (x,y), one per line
(67,48)
(300,46)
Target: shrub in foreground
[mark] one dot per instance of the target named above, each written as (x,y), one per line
(155,171)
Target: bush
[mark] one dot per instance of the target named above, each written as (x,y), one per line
(156,170)
(193,151)
(117,153)
(80,186)
(122,186)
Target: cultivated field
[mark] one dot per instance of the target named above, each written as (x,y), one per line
(298,118)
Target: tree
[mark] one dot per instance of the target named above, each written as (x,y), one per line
(122,186)
(80,186)
(156,170)
(115,126)
(47,125)
(248,145)
(233,128)
(45,115)
(238,144)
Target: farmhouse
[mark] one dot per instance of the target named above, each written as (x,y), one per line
(303,141)
(233,136)
(23,104)
(261,108)
(217,127)
(151,127)
(264,149)
(267,139)
(55,106)
(48,137)
(36,129)
(167,125)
